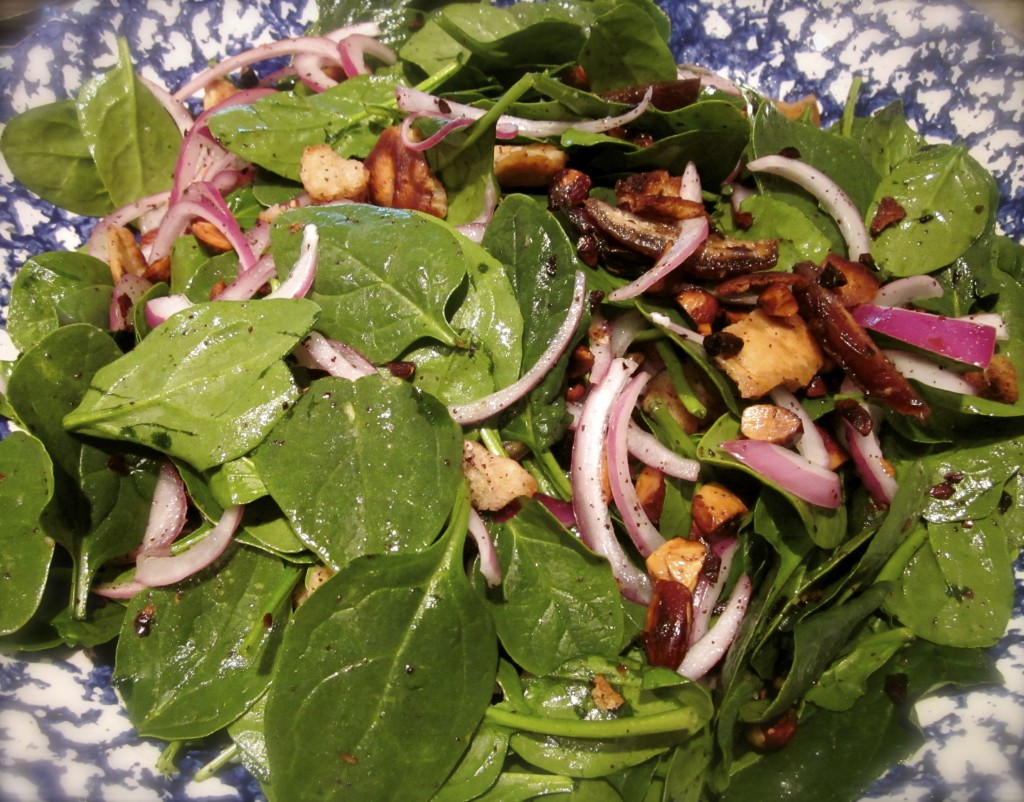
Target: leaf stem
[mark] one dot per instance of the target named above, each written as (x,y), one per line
(679,721)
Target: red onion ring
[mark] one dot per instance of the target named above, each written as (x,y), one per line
(159,309)
(333,357)
(249,282)
(641,529)
(301,276)
(705,653)
(647,448)
(416,101)
(827,192)
(353,50)
(904,290)
(866,453)
(922,369)
(97,243)
(791,471)
(160,568)
(811,444)
(167,510)
(490,567)
(960,340)
(489,405)
(705,598)
(586,473)
(692,233)
(680,331)
(174,107)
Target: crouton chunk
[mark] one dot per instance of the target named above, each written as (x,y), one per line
(678,560)
(534,165)
(776,350)
(327,176)
(494,481)
(716,510)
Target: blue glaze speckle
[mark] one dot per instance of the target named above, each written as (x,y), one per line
(63,733)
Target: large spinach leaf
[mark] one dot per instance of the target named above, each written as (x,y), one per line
(364,467)
(392,663)
(193,657)
(26,487)
(205,386)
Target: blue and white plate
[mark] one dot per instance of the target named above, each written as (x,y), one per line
(63,735)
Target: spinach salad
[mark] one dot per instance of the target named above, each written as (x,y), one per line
(470,403)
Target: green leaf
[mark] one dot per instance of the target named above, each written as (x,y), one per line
(845,680)
(627,47)
(205,386)
(26,487)
(47,153)
(957,589)
(557,600)
(945,194)
(479,768)
(364,467)
(132,138)
(391,662)
(375,297)
(206,653)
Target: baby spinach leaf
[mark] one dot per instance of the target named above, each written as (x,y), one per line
(957,589)
(378,298)
(47,153)
(886,139)
(50,380)
(799,239)
(845,680)
(192,658)
(273,131)
(205,386)
(364,467)
(132,138)
(557,600)
(26,487)
(946,195)
(627,47)
(479,767)
(406,636)
(54,289)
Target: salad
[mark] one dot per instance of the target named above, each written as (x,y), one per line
(497,400)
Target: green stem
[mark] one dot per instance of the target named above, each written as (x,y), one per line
(492,440)
(209,769)
(679,381)
(675,721)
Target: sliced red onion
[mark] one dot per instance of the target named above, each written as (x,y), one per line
(159,309)
(97,243)
(706,596)
(959,340)
(710,649)
(641,529)
(167,510)
(993,319)
(411,141)
(490,567)
(689,184)
(811,444)
(600,343)
(586,473)
(127,292)
(675,328)
(866,453)
(651,451)
(120,591)
(319,46)
(827,192)
(333,357)
(353,50)
(903,291)
(691,236)
(921,369)
(249,282)
(181,115)
(739,194)
(562,510)
(310,70)
(416,101)
(201,201)
(489,405)
(708,78)
(787,469)
(301,276)
(160,568)
(476,228)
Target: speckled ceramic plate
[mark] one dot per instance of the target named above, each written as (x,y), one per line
(63,735)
